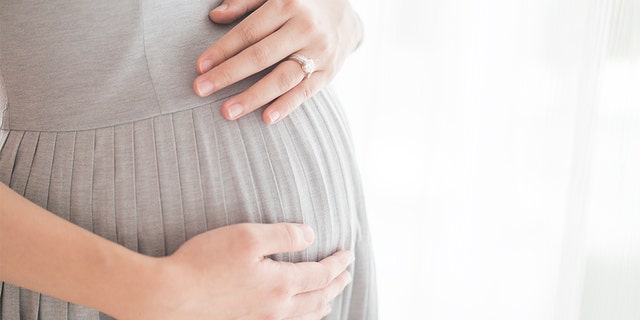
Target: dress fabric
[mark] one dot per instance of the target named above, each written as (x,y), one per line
(100,126)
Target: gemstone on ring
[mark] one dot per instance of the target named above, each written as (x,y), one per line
(307,64)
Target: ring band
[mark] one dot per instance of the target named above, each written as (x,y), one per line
(308,66)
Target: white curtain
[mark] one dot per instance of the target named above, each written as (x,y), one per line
(499,143)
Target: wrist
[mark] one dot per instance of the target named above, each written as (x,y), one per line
(134,282)
(45,253)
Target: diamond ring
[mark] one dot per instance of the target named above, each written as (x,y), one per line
(308,66)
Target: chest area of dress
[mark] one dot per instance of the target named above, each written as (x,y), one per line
(85,64)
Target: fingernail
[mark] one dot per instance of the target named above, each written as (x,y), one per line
(349,277)
(205,88)
(274,116)
(352,257)
(221,7)
(234,110)
(307,232)
(327,310)
(206,65)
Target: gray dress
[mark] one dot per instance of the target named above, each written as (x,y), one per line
(101,127)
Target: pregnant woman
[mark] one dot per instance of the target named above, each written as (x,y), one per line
(182,205)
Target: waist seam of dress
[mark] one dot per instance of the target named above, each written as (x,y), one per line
(208,103)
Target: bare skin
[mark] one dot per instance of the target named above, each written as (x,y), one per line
(220,274)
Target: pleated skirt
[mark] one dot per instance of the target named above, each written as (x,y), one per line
(154,183)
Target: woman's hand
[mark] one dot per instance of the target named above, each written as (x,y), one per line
(222,274)
(323,30)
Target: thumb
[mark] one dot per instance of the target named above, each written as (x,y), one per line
(230,10)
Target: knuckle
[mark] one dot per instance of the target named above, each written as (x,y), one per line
(260,56)
(323,43)
(326,278)
(248,33)
(289,105)
(288,108)
(308,26)
(249,238)
(290,5)
(289,234)
(283,290)
(219,52)
(251,98)
(245,5)
(286,81)
(224,77)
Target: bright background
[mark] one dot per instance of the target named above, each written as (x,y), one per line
(499,143)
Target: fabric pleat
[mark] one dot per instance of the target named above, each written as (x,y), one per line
(151,240)
(152,184)
(125,197)
(169,183)
(209,153)
(195,220)
(23,162)
(8,156)
(103,200)
(81,197)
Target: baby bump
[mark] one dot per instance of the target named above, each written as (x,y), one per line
(154,183)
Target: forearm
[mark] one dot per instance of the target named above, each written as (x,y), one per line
(42,252)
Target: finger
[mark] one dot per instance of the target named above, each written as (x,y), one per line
(317,301)
(311,276)
(291,100)
(257,240)
(282,79)
(252,29)
(230,10)
(256,58)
